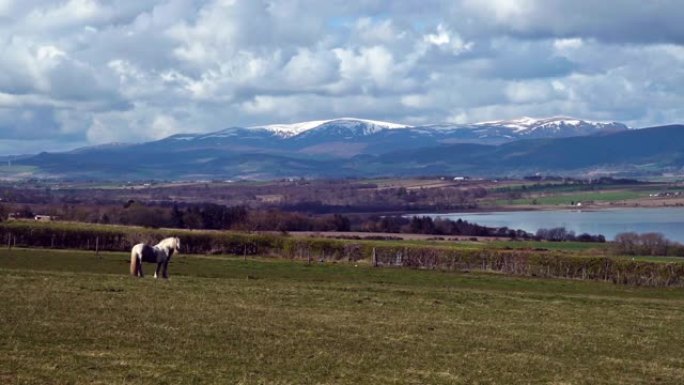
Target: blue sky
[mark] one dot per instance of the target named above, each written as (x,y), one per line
(83,72)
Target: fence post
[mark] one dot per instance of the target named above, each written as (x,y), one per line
(97,247)
(9,241)
(244,256)
(374,259)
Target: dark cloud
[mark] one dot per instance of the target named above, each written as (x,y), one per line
(34,123)
(623,21)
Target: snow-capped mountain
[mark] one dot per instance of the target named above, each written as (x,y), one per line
(341,125)
(433,150)
(550,127)
(372,131)
(347,137)
(360,147)
(333,141)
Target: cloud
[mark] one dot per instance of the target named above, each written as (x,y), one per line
(93,71)
(623,21)
(447,41)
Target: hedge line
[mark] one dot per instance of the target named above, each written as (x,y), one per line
(514,262)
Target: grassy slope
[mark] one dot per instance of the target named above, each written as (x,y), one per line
(566,199)
(68,317)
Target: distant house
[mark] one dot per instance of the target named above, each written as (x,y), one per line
(460,178)
(45,218)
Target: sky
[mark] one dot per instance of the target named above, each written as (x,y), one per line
(87,72)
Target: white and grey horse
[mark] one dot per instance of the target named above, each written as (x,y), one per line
(160,254)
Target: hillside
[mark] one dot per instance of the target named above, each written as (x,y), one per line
(655,149)
(354,149)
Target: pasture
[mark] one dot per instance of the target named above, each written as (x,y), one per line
(565,199)
(68,317)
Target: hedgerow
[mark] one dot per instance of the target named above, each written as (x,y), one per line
(533,263)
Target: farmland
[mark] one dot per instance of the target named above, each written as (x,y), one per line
(552,195)
(288,308)
(567,199)
(560,260)
(71,317)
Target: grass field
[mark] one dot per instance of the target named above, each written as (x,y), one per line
(596,248)
(68,317)
(566,199)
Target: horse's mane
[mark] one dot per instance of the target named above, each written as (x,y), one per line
(171,243)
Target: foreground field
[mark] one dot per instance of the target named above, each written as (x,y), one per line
(69,317)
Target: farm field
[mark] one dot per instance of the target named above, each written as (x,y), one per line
(549,196)
(70,317)
(566,199)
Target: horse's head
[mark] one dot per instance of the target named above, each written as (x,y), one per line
(172,244)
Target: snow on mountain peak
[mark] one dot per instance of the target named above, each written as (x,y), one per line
(355,129)
(293,129)
(554,123)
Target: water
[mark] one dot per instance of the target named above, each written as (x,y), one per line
(668,221)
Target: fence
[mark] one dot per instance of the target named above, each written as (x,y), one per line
(382,254)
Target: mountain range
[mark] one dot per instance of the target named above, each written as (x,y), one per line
(347,137)
(350,147)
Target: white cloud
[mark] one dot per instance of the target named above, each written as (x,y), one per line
(369,66)
(92,71)
(511,12)
(378,32)
(308,69)
(417,101)
(529,92)
(448,41)
(458,118)
(163,126)
(562,45)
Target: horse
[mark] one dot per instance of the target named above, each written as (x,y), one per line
(160,254)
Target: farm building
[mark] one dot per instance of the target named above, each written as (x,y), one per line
(45,218)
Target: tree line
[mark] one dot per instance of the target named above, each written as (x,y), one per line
(316,197)
(647,244)
(212,216)
(534,263)
(561,234)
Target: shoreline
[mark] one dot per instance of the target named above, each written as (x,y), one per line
(589,208)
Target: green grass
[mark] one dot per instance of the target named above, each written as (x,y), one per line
(583,247)
(566,199)
(651,258)
(569,188)
(68,317)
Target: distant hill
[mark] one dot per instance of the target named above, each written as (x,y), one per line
(645,150)
(344,148)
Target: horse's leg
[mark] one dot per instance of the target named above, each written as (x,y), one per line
(134,263)
(165,272)
(156,272)
(140,270)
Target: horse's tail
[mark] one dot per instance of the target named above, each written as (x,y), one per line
(134,260)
